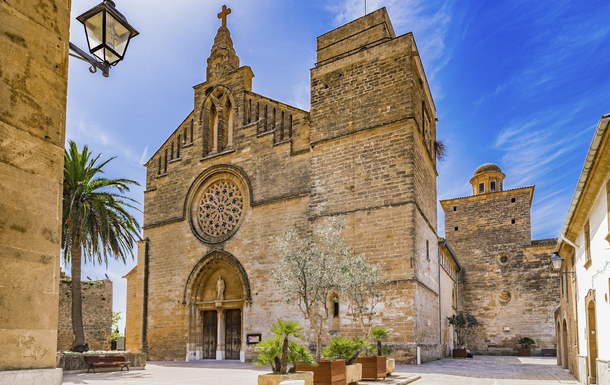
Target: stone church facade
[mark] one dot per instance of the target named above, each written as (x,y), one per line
(242,169)
(506,282)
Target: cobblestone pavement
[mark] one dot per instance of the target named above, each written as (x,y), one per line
(481,370)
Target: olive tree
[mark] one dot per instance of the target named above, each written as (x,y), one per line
(361,289)
(308,271)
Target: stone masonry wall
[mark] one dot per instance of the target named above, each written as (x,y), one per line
(518,294)
(34,39)
(368,161)
(97,314)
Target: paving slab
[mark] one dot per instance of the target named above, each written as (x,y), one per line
(480,370)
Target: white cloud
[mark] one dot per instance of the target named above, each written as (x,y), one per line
(143,157)
(300,96)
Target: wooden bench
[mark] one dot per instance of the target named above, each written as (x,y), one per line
(107,360)
(550,352)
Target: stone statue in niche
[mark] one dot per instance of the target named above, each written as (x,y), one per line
(220,289)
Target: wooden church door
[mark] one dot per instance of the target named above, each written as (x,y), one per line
(233,334)
(210,322)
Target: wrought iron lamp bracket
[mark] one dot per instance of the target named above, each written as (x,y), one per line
(95,64)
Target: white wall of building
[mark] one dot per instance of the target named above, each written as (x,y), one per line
(597,277)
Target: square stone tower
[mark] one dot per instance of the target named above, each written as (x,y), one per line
(372,137)
(505,282)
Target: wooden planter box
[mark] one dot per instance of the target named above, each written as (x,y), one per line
(326,373)
(525,352)
(372,367)
(276,379)
(353,373)
(459,353)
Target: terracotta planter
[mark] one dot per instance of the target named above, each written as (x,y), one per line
(326,373)
(372,367)
(459,353)
(353,374)
(275,379)
(525,352)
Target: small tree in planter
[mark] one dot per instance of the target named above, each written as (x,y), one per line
(360,287)
(378,334)
(348,349)
(525,343)
(278,351)
(345,348)
(463,325)
(307,272)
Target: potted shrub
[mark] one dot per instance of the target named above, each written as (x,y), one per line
(348,349)
(374,365)
(279,351)
(463,324)
(525,343)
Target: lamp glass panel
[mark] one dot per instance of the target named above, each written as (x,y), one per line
(93,27)
(117,35)
(110,57)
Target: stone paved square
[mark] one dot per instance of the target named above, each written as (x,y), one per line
(483,370)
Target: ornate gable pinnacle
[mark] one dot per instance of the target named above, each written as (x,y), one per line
(223,58)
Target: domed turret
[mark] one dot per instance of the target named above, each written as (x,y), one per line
(487,178)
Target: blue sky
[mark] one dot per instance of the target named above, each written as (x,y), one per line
(518,83)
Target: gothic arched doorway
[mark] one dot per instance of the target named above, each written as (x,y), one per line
(216,293)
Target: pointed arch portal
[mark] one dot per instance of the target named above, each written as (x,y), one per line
(216,292)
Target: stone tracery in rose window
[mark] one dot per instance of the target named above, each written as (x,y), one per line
(220,208)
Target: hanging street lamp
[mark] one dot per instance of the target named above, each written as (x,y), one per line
(108,34)
(556,262)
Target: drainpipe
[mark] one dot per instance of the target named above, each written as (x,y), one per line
(145,300)
(440,315)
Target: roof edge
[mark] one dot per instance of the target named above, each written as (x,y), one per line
(583,180)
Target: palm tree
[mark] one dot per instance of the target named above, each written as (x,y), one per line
(286,329)
(94,220)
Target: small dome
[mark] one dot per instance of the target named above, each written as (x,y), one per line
(487,167)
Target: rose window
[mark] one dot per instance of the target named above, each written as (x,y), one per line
(220,208)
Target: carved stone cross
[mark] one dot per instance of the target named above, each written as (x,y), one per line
(223,15)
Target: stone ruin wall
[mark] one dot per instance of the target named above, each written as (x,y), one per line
(97,314)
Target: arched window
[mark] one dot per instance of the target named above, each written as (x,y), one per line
(228,131)
(290,126)
(165,163)
(178,146)
(159,170)
(250,111)
(212,131)
(335,321)
(171,153)
(184,132)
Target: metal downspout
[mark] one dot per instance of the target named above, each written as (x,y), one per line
(440,314)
